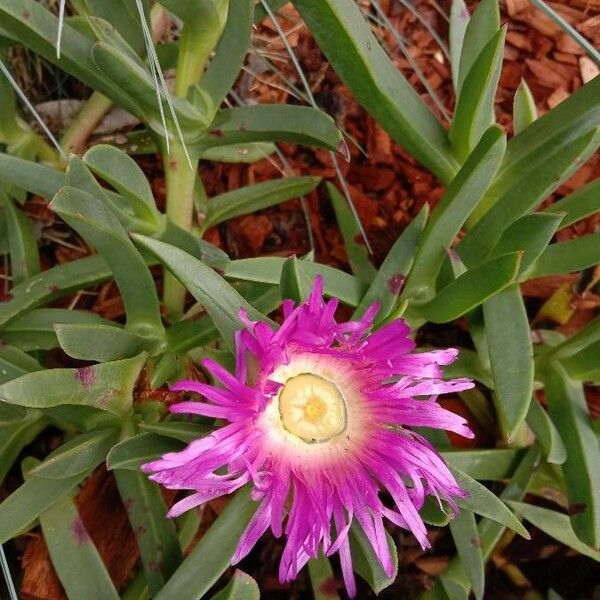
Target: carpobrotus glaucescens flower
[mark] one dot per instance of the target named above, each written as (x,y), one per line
(317,416)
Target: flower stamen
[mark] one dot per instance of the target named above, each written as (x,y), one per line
(312,408)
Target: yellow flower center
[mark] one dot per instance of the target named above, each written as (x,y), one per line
(312,408)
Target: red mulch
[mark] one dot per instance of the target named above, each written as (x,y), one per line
(388,188)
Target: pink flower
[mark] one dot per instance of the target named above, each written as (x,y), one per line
(317,420)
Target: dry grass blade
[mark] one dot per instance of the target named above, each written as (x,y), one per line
(7,576)
(31,108)
(61,21)
(568,29)
(385,22)
(159,82)
(428,26)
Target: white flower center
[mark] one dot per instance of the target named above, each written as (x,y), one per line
(312,408)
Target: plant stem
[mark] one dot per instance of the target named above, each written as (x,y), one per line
(84,124)
(197,41)
(179,182)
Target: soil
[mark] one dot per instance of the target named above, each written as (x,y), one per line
(388,188)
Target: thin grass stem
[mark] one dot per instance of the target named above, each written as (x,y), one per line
(61,21)
(385,22)
(7,575)
(31,108)
(568,29)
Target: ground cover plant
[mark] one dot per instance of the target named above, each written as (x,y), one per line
(281,401)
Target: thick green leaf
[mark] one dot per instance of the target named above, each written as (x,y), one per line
(358,255)
(27,502)
(98,225)
(79,176)
(524,109)
(511,357)
(433,514)
(472,289)
(209,559)
(74,556)
(107,386)
(186,335)
(361,62)
(546,433)
(531,234)
(459,19)
(35,329)
(133,452)
(120,68)
(322,579)
(468,545)
(213,11)
(530,182)
(534,154)
(389,280)
(39,28)
(101,30)
(295,284)
(556,525)
(193,244)
(79,455)
(121,14)
(230,53)
(484,464)
(125,176)
(583,365)
(22,245)
(17,432)
(490,531)
(270,123)
(141,141)
(268,269)
(155,534)
(110,342)
(178,430)
(256,197)
(240,587)
(482,27)
(474,111)
(567,257)
(76,418)
(14,363)
(585,337)
(569,412)
(364,561)
(578,205)
(461,197)
(239,153)
(52,284)
(483,502)
(221,301)
(579,114)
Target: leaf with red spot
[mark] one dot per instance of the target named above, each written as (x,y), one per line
(107,386)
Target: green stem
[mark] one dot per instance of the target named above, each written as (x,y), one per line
(179,182)
(84,124)
(197,41)
(195,48)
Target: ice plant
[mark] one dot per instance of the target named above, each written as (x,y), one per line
(318,420)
